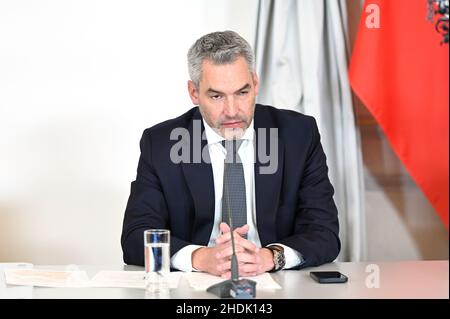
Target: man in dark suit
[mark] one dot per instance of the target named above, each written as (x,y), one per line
(263,166)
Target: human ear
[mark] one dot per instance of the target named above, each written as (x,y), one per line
(193,92)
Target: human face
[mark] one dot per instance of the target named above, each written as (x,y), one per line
(226,96)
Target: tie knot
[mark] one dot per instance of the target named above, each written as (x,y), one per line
(232,146)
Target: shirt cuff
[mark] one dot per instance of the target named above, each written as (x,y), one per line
(293,257)
(182,259)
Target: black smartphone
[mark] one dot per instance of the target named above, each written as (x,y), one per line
(328,277)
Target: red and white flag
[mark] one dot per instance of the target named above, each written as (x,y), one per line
(400,70)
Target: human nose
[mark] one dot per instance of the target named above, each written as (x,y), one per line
(230,108)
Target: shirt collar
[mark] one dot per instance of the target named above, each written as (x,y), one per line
(214,137)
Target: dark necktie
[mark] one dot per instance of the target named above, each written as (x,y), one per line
(234,195)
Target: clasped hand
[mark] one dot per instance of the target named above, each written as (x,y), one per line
(216,260)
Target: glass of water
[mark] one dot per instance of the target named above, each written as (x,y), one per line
(157,259)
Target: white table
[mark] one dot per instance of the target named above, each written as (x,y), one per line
(403,279)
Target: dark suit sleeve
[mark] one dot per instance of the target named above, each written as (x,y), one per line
(316,224)
(146,208)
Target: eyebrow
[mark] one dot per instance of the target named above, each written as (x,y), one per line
(245,87)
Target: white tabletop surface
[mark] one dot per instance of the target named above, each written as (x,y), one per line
(403,279)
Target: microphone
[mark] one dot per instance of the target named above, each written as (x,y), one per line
(233,288)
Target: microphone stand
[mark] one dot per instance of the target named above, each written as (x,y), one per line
(233,288)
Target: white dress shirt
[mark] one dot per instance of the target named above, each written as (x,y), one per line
(182,260)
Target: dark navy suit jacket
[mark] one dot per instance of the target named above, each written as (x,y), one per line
(294,206)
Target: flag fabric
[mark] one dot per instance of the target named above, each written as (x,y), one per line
(302,60)
(399,69)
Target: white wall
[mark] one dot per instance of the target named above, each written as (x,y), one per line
(79,82)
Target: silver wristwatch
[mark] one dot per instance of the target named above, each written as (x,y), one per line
(278,257)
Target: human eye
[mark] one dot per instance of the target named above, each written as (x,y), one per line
(215,96)
(243,92)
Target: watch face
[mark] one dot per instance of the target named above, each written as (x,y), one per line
(279,259)
(278,256)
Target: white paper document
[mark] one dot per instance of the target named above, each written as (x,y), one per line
(116,279)
(80,279)
(201,281)
(46,278)
(128,279)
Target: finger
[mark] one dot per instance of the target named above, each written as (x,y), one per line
(225,231)
(247,258)
(238,241)
(224,234)
(224,228)
(226,266)
(246,269)
(228,251)
(245,243)
(223,238)
(242,230)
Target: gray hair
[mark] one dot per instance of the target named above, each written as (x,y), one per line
(220,48)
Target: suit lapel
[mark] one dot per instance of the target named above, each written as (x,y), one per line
(199,179)
(267,186)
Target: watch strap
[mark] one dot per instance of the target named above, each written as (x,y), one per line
(279,259)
